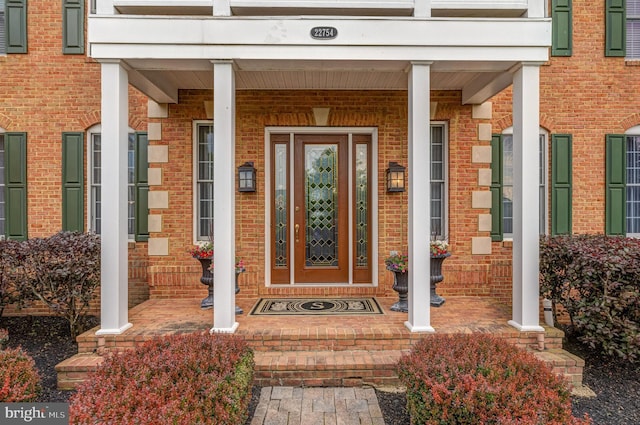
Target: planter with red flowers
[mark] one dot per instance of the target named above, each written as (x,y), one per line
(203,252)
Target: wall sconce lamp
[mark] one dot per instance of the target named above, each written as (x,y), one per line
(247,177)
(395,177)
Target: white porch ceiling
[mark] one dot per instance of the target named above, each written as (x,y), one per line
(318,75)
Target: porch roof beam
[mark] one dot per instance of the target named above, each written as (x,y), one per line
(160,91)
(511,40)
(484,87)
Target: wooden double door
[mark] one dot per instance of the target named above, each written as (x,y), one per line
(321,218)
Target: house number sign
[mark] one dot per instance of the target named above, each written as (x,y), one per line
(324,33)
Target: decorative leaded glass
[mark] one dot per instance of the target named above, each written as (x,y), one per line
(280,200)
(321,198)
(361,195)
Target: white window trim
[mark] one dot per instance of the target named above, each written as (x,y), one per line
(93,130)
(445,158)
(194,187)
(633,131)
(374,199)
(542,131)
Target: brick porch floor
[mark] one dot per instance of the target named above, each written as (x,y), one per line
(319,350)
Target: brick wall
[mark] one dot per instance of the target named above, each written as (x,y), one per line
(178,274)
(45,93)
(587,95)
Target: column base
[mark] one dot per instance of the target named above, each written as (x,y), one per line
(413,328)
(116,331)
(230,330)
(523,328)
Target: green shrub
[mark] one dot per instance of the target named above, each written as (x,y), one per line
(62,271)
(178,379)
(596,279)
(479,379)
(19,380)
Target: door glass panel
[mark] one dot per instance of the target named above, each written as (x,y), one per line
(280,199)
(361,195)
(321,199)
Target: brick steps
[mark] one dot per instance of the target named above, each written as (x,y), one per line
(327,368)
(74,370)
(323,368)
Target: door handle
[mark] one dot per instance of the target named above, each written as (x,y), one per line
(297,229)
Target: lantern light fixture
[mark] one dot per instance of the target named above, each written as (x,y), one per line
(395,177)
(247,177)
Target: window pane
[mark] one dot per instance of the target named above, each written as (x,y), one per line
(633,184)
(96,180)
(633,39)
(507,184)
(204,182)
(438,172)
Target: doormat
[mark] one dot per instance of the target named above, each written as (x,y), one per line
(315,306)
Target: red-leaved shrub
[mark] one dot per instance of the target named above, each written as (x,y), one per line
(596,278)
(479,379)
(19,379)
(177,379)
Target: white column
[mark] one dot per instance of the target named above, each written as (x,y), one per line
(419,198)
(422,8)
(526,249)
(114,237)
(221,8)
(224,184)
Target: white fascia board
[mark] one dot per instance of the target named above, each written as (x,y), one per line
(479,4)
(205,32)
(368,53)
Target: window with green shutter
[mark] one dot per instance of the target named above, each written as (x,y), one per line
(502,184)
(73,27)
(561,27)
(622,197)
(3,47)
(15,185)
(615,28)
(134,142)
(561,184)
(73,182)
(16,26)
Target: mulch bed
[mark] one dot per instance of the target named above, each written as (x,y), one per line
(615,382)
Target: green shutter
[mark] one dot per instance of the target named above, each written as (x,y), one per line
(142,188)
(73,182)
(616,180)
(16,26)
(73,27)
(15,148)
(561,178)
(496,188)
(615,27)
(561,28)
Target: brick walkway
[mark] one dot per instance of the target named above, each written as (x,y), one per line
(321,406)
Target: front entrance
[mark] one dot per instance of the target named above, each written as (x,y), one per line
(321,251)
(321,208)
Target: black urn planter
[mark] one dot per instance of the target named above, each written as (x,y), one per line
(207,279)
(436,277)
(401,286)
